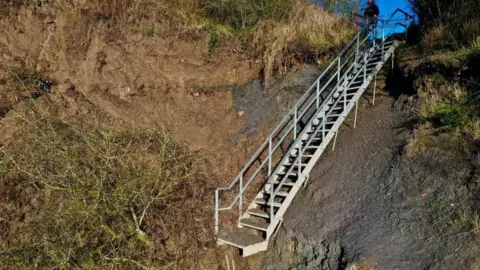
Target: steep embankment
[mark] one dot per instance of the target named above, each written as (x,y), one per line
(112,165)
(390,196)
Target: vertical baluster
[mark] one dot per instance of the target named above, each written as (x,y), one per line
(345,101)
(216,211)
(383,42)
(272,196)
(339,67)
(240,203)
(270,175)
(357,49)
(295,124)
(318,94)
(356,113)
(300,161)
(270,156)
(365,69)
(324,120)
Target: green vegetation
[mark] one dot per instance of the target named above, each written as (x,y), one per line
(80,195)
(448,91)
(212,42)
(445,115)
(84,196)
(277,30)
(246,14)
(450,24)
(148,31)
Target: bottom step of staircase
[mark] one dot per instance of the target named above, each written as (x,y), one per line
(244,239)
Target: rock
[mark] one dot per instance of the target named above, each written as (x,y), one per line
(241,113)
(196,94)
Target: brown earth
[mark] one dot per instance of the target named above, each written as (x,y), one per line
(143,81)
(374,204)
(101,67)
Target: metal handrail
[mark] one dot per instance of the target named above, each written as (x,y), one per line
(291,121)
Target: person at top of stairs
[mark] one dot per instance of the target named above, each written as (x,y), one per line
(371,14)
(371,19)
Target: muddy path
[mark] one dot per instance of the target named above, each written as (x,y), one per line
(345,201)
(366,201)
(363,201)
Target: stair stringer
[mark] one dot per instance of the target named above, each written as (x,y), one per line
(252,249)
(349,108)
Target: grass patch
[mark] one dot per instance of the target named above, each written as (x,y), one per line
(452,59)
(212,41)
(148,31)
(246,14)
(449,25)
(309,31)
(89,197)
(445,107)
(445,115)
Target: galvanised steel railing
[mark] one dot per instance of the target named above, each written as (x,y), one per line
(271,156)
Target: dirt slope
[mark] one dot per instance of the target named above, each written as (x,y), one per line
(369,203)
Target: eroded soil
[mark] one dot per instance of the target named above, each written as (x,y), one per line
(368,202)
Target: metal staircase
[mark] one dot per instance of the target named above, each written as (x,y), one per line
(269,182)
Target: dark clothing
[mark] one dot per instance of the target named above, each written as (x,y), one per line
(371,21)
(371,15)
(372,11)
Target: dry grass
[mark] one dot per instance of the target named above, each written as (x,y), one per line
(310,30)
(451,24)
(434,39)
(279,32)
(84,196)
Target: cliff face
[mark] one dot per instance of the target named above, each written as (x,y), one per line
(118,121)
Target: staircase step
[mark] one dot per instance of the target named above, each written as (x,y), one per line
(258,213)
(284,173)
(287,183)
(280,193)
(353,89)
(254,224)
(304,156)
(262,201)
(295,164)
(316,139)
(239,237)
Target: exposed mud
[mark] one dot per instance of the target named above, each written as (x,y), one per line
(377,203)
(268,106)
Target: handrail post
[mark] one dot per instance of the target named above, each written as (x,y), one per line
(270,156)
(240,203)
(365,69)
(339,67)
(299,162)
(269,174)
(318,94)
(406,28)
(357,49)
(295,124)
(216,211)
(383,43)
(345,101)
(272,196)
(324,116)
